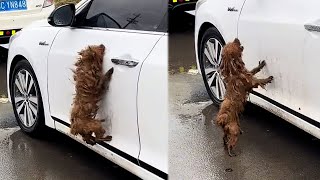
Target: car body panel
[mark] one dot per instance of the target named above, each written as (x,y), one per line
(311,62)
(112,156)
(28,47)
(273,42)
(119,107)
(153,88)
(288,59)
(216,13)
(25,41)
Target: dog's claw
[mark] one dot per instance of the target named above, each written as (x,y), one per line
(225,141)
(107,138)
(241,131)
(90,141)
(262,63)
(231,154)
(270,79)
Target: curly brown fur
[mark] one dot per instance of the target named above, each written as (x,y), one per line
(239,83)
(90,85)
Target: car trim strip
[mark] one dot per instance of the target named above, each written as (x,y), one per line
(140,163)
(289,110)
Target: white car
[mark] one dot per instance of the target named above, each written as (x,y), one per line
(41,86)
(16,14)
(286,34)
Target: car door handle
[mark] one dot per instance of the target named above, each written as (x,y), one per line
(124,62)
(312,27)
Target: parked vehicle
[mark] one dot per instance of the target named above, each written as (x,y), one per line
(286,38)
(41,86)
(182,5)
(16,14)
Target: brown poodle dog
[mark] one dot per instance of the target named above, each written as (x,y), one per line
(90,84)
(239,83)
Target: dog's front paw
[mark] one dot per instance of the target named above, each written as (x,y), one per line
(262,63)
(270,79)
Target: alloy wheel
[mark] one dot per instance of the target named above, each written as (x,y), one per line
(212,56)
(25,98)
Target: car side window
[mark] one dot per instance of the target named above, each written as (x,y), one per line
(128,14)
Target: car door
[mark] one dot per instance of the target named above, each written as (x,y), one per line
(152,109)
(118,25)
(274,31)
(311,60)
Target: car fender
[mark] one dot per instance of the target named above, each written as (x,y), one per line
(34,45)
(218,14)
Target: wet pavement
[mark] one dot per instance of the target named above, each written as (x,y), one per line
(269,148)
(51,157)
(181,44)
(3,80)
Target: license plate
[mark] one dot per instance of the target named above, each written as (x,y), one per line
(13,5)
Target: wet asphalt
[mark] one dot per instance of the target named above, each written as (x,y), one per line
(269,149)
(51,157)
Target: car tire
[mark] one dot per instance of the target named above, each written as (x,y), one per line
(26,99)
(210,66)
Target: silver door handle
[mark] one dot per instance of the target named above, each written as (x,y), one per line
(125,62)
(312,27)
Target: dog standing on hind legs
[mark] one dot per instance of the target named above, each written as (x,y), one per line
(91,85)
(239,83)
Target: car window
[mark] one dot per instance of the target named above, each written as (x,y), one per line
(128,14)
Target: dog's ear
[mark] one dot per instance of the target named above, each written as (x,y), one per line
(102,46)
(237,41)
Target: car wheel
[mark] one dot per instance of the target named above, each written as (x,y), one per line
(210,61)
(26,99)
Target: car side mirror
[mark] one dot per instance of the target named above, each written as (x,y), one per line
(62,16)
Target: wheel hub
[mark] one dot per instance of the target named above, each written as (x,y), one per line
(212,54)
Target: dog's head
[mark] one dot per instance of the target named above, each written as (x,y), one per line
(232,58)
(93,53)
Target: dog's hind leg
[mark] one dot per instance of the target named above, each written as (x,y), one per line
(257,69)
(231,152)
(89,139)
(238,122)
(229,148)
